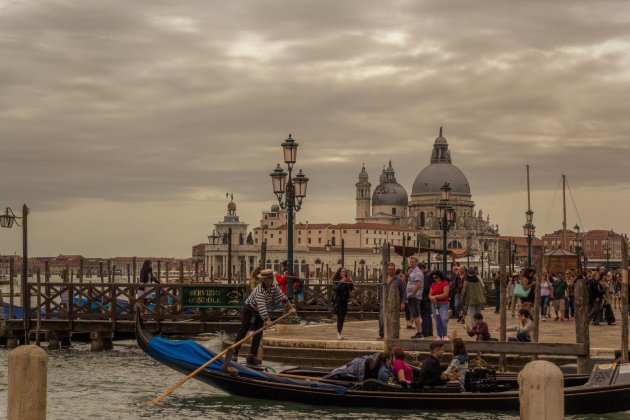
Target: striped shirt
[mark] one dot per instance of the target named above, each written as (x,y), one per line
(261,298)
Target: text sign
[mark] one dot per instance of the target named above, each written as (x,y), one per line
(213,296)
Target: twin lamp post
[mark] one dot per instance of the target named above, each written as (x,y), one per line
(290,193)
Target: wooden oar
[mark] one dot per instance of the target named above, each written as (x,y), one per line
(202,367)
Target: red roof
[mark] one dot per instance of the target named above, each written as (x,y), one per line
(521,240)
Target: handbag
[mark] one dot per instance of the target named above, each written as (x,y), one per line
(520,292)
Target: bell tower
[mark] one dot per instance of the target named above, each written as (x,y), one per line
(364,194)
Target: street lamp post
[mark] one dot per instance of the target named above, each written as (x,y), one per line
(529,230)
(295,190)
(607,249)
(577,248)
(446,218)
(6,221)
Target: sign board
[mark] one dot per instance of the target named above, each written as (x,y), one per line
(223,296)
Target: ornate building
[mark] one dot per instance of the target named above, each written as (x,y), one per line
(390,204)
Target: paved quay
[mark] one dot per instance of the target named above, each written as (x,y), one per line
(361,335)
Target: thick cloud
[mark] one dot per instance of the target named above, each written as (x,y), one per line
(111,110)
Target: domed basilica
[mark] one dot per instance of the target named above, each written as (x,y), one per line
(389,203)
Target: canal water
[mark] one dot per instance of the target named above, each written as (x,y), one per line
(118,384)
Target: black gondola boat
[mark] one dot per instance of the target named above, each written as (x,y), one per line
(186,356)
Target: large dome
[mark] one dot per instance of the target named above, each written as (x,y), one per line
(431,179)
(389,192)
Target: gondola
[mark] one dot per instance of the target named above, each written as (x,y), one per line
(603,392)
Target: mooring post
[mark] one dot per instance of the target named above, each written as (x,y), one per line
(581,326)
(181,271)
(504,277)
(110,275)
(38,327)
(27,383)
(540,391)
(624,300)
(11,287)
(128,273)
(97,341)
(392,317)
(536,310)
(100,271)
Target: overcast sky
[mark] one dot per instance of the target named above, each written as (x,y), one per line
(124,123)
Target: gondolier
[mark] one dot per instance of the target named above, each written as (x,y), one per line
(254,314)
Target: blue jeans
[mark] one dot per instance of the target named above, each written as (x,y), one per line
(441,322)
(544,305)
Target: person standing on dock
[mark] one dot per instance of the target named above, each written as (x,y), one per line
(254,314)
(342,286)
(146,277)
(415,285)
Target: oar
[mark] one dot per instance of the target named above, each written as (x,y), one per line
(202,367)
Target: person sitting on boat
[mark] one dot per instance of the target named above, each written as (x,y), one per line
(385,373)
(360,368)
(459,363)
(479,329)
(254,314)
(431,372)
(402,371)
(524,327)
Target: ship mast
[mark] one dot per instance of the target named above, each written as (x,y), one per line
(564,212)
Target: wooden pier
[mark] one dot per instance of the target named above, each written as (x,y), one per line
(55,310)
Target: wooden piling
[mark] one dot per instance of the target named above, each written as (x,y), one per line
(28,366)
(624,300)
(38,327)
(11,287)
(48,290)
(536,309)
(100,271)
(581,325)
(134,263)
(128,273)
(110,275)
(391,322)
(504,277)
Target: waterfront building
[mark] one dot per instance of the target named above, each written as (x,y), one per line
(598,245)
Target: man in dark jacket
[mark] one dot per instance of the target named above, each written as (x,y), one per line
(431,372)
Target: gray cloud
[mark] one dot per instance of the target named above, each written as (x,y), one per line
(145,103)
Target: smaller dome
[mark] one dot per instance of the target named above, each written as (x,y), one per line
(275,208)
(389,192)
(232,206)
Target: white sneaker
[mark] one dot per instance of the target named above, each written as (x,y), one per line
(339,336)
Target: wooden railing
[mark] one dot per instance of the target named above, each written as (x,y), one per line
(119,301)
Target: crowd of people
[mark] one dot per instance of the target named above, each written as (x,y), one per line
(431,298)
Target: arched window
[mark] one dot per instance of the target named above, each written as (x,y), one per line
(268,265)
(318,261)
(422,219)
(454,244)
(362,262)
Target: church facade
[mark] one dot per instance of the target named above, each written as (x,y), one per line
(472,235)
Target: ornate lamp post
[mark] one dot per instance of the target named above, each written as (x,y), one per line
(446,218)
(6,221)
(295,190)
(530,231)
(607,249)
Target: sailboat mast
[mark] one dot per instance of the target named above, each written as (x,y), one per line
(528,203)
(564,212)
